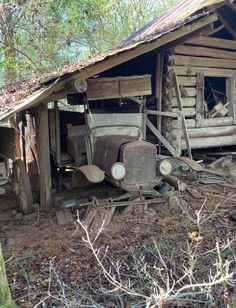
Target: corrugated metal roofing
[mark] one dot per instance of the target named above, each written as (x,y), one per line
(176,15)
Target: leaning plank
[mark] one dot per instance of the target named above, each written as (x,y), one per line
(211,72)
(213,42)
(203,62)
(204,52)
(180,105)
(5,295)
(161,138)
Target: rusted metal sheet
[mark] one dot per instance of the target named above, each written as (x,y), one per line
(87,174)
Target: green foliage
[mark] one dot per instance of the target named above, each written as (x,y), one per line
(37,35)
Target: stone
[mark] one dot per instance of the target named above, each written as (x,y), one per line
(19,216)
(31,216)
(2,191)
(64,217)
(10,242)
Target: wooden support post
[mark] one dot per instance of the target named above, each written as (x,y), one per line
(200,99)
(179,134)
(23,141)
(185,129)
(161,138)
(57,130)
(43,156)
(158,90)
(232,105)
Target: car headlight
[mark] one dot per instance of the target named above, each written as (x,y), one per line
(118,171)
(164,167)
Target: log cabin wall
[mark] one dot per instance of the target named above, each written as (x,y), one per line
(203,65)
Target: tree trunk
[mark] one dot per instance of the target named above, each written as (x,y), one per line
(5,295)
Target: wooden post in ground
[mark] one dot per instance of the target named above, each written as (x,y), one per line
(42,137)
(5,294)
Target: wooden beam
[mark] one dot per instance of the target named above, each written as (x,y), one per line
(200,99)
(187,92)
(227,25)
(161,138)
(204,52)
(188,112)
(184,125)
(211,72)
(43,156)
(186,101)
(209,142)
(204,62)
(213,31)
(232,98)
(209,132)
(163,113)
(212,42)
(158,91)
(187,81)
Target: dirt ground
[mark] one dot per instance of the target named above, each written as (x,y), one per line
(43,258)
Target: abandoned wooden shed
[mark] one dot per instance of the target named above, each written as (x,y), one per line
(178,73)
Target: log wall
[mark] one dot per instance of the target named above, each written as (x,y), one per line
(193,61)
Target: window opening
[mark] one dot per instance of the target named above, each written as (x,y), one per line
(215,97)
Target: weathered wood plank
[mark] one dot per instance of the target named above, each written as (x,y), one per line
(183,113)
(232,99)
(187,102)
(187,92)
(44,156)
(158,91)
(209,142)
(187,81)
(163,113)
(200,99)
(203,62)
(189,122)
(209,132)
(104,88)
(213,122)
(211,72)
(204,52)
(212,42)
(188,112)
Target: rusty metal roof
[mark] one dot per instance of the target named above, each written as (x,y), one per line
(185,12)
(180,13)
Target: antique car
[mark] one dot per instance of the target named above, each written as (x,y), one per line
(119,153)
